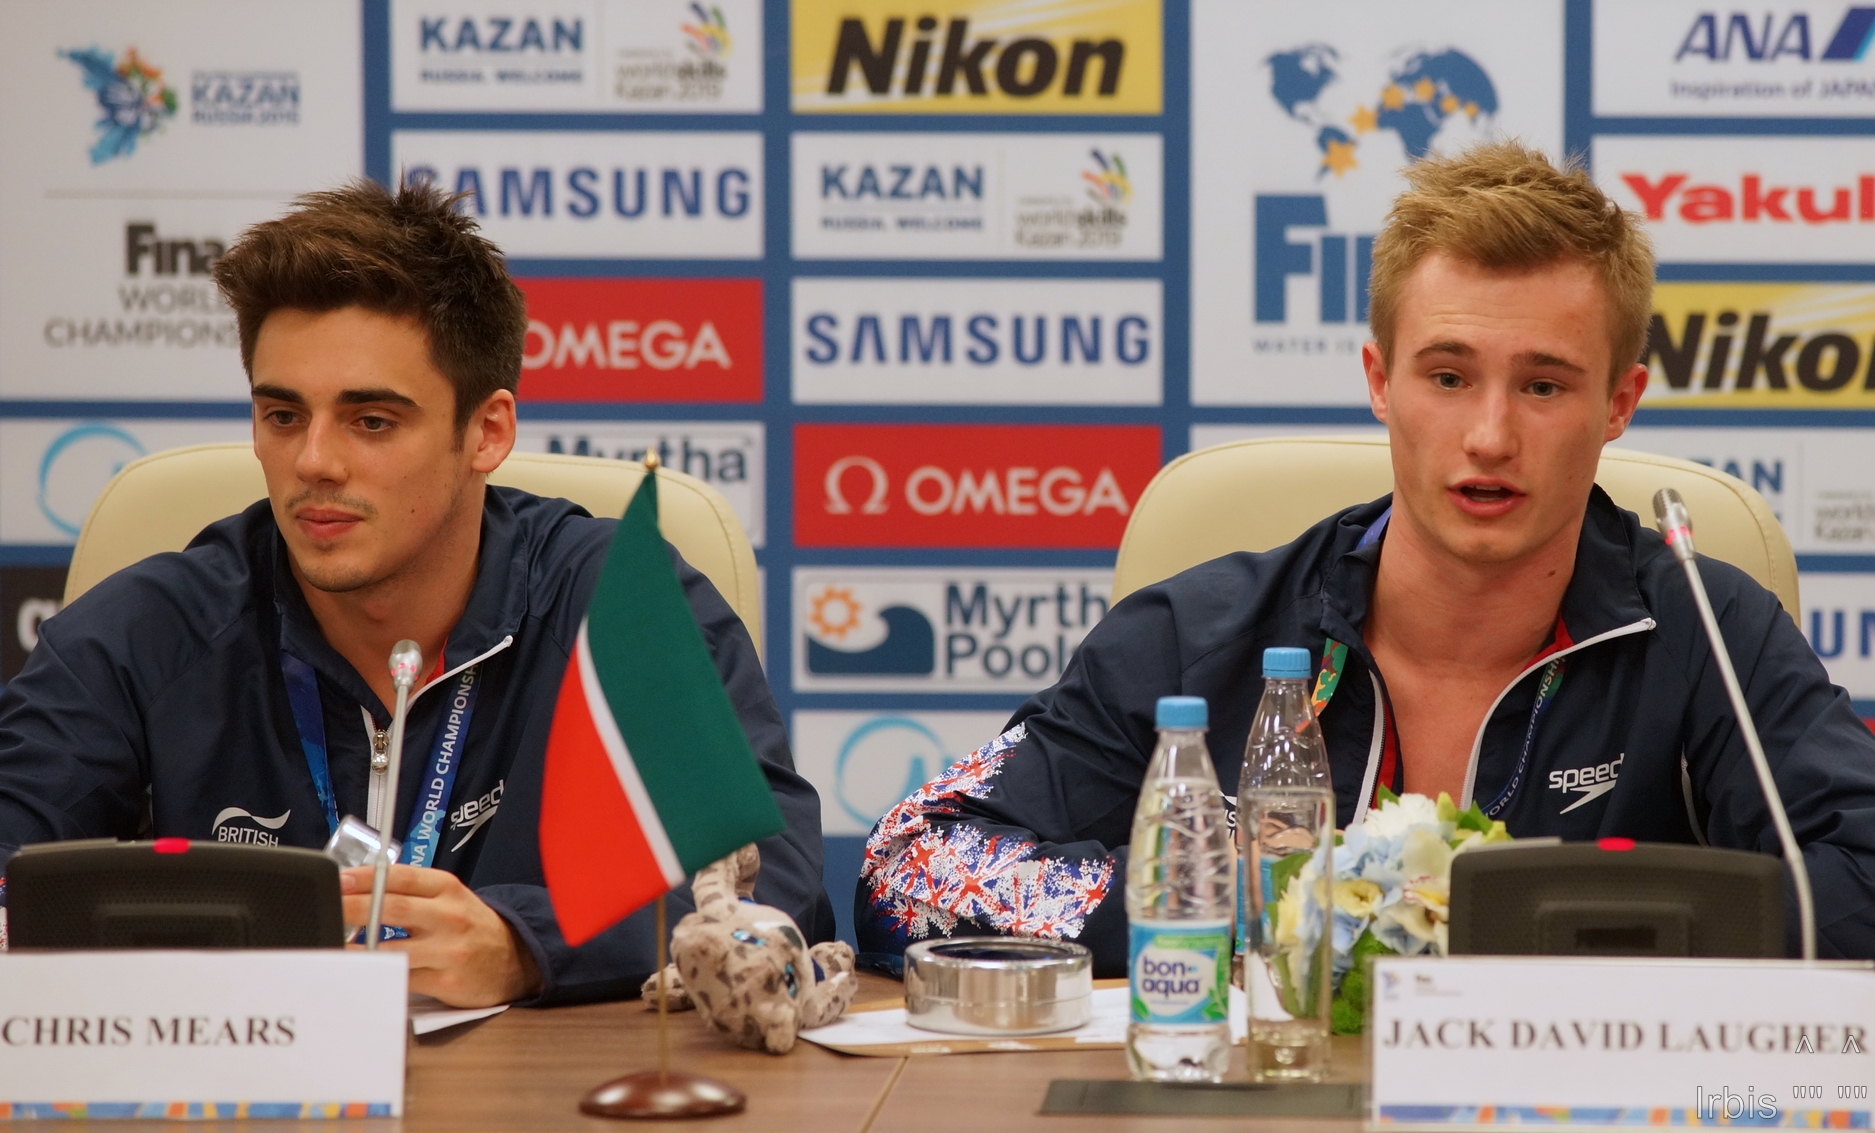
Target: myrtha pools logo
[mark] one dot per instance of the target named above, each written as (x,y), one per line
(133,99)
(1420,96)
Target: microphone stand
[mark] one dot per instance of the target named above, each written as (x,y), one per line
(1671,516)
(406,660)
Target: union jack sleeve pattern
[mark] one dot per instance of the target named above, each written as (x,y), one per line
(925,874)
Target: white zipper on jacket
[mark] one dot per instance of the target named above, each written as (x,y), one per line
(380,738)
(1645,625)
(1364,801)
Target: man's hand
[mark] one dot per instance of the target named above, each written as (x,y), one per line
(461,951)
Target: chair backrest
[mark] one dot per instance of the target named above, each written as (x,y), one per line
(160,502)
(1257,494)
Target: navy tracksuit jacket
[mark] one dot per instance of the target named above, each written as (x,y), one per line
(1028,835)
(155,705)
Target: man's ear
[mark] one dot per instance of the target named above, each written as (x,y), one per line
(490,433)
(1624,399)
(1376,367)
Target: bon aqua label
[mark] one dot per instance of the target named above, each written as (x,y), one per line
(1179,972)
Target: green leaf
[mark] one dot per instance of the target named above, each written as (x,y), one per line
(1384,795)
(1346,1017)
(1284,870)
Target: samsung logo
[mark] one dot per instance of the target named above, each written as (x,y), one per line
(586,191)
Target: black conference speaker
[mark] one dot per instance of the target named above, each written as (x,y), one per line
(1616,897)
(172,893)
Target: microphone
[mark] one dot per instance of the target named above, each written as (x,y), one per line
(1674,523)
(406,663)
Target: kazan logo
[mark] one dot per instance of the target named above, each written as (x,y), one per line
(909,647)
(133,100)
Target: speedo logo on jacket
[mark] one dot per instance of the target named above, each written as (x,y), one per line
(1589,782)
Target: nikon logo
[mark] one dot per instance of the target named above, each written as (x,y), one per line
(1023,68)
(1738,351)
(980,57)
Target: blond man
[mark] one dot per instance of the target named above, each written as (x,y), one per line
(1504,622)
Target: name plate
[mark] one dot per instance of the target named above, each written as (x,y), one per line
(224,1034)
(1462,1042)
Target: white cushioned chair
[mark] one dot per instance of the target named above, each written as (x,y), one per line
(160,502)
(1257,494)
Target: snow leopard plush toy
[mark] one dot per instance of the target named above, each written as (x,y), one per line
(746,967)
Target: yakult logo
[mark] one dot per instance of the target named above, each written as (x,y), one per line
(642,340)
(969,485)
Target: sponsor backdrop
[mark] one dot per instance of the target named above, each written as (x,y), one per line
(930,290)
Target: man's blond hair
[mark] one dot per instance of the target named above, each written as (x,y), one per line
(1504,207)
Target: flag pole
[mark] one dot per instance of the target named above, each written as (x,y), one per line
(661,1094)
(664,998)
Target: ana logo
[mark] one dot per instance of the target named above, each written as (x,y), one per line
(909,646)
(1419,98)
(259,834)
(709,35)
(133,100)
(1762,37)
(75,468)
(642,340)
(1589,782)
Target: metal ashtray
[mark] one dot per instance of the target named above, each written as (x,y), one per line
(987,985)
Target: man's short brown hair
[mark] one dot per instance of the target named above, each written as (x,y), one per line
(407,253)
(1503,206)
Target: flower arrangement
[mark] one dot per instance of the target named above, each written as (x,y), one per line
(1391,892)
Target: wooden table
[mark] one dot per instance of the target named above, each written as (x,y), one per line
(526,1070)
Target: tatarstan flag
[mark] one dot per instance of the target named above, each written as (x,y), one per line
(649,777)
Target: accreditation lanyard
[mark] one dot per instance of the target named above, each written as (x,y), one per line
(1328,679)
(426,822)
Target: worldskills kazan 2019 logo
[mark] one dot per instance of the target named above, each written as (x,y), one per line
(709,35)
(132,97)
(1060,221)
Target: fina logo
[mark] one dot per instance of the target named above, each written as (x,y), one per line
(75,468)
(1424,96)
(133,100)
(909,647)
(883,762)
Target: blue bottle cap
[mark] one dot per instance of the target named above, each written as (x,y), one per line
(1184,713)
(1285,663)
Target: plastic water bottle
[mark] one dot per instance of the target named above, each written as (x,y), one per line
(1178,905)
(1286,807)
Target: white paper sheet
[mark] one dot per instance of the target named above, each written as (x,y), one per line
(889,1028)
(428,1014)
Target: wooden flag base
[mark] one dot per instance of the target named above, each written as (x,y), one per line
(662,1093)
(652,1094)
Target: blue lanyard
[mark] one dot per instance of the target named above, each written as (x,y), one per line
(1545,693)
(426,826)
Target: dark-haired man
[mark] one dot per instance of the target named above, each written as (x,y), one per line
(240,686)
